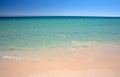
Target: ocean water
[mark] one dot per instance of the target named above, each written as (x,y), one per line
(58,32)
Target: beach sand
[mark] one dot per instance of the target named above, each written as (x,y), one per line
(74,62)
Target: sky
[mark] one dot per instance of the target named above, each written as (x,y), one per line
(60,8)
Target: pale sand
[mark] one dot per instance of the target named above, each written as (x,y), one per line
(101,63)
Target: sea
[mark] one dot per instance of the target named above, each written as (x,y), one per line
(47,33)
(51,32)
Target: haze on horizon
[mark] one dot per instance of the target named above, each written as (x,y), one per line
(60,8)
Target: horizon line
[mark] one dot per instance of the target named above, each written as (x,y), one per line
(51,16)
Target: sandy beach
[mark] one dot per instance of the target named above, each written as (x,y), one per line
(59,38)
(98,63)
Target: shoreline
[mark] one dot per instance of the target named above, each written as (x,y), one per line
(75,52)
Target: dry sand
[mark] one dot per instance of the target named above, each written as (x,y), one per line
(101,63)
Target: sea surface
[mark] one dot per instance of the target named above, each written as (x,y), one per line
(49,33)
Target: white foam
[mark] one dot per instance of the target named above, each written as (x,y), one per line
(64,36)
(89,43)
(74,42)
(11,57)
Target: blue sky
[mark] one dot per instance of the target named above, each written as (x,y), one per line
(59,7)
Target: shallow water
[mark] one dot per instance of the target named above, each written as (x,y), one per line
(58,32)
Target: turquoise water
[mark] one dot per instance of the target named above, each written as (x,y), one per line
(58,32)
